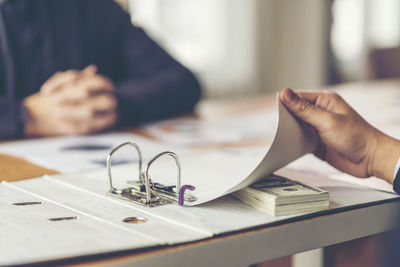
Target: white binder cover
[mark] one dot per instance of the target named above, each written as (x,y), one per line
(37,233)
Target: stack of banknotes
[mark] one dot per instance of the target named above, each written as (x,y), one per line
(278,196)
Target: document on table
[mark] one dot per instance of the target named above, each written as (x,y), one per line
(75,153)
(221,131)
(218,173)
(292,140)
(70,215)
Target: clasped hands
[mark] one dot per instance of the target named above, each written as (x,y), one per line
(71,102)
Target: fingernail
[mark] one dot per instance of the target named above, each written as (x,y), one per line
(290,96)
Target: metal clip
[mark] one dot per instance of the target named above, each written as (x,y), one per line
(112,188)
(134,194)
(144,191)
(170,192)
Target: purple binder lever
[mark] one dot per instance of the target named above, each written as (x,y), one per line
(182,192)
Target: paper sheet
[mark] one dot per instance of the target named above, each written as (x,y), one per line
(224,174)
(28,236)
(293,139)
(227,130)
(217,173)
(76,153)
(164,230)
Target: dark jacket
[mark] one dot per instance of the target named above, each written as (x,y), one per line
(41,37)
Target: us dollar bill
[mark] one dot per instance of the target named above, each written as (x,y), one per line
(278,195)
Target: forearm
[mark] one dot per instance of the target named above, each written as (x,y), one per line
(164,95)
(35,108)
(150,84)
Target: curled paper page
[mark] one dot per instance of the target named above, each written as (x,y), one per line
(220,172)
(217,174)
(293,139)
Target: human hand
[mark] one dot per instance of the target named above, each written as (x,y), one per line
(72,102)
(344,139)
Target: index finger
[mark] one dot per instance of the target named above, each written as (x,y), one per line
(83,89)
(57,79)
(327,100)
(95,84)
(54,84)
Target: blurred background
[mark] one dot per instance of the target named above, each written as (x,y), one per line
(239,47)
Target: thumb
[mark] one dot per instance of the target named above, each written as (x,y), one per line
(303,109)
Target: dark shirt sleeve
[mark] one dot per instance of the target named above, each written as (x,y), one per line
(11,121)
(150,84)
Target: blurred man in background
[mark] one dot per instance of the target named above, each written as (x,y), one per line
(80,67)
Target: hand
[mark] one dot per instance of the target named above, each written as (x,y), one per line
(345,139)
(72,102)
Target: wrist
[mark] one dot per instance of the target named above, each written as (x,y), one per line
(385,157)
(29,126)
(34,108)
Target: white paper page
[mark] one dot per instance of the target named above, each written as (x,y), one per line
(313,165)
(310,163)
(27,234)
(371,182)
(217,173)
(107,208)
(341,193)
(292,140)
(227,130)
(379,107)
(75,153)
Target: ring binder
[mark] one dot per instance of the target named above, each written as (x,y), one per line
(113,189)
(145,191)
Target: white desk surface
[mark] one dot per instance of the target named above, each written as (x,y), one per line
(273,241)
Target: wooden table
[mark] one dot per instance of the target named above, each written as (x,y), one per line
(254,245)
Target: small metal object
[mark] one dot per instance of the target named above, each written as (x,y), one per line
(166,188)
(138,219)
(159,189)
(113,189)
(28,203)
(144,191)
(64,218)
(170,192)
(131,194)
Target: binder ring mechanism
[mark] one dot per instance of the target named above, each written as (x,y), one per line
(145,191)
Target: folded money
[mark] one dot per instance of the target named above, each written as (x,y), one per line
(278,196)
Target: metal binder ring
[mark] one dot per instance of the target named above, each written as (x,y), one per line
(146,176)
(113,189)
